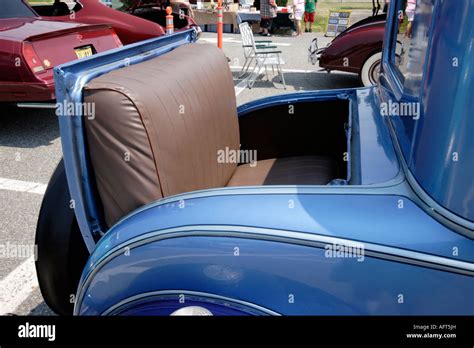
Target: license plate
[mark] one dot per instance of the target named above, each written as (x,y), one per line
(83,52)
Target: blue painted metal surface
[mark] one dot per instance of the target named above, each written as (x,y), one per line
(373,221)
(284,277)
(409,208)
(378,161)
(373,218)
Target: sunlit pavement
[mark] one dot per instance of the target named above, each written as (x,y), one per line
(30,150)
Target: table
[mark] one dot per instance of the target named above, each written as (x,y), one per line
(207,18)
(282,20)
(249,16)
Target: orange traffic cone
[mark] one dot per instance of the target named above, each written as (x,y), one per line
(169,20)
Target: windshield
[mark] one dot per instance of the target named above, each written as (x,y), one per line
(15,9)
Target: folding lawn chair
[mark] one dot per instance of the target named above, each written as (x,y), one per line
(260,51)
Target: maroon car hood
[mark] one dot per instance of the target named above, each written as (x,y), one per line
(23,28)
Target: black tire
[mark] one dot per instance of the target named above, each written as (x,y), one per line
(62,253)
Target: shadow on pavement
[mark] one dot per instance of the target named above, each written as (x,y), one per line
(301,81)
(41,309)
(27,128)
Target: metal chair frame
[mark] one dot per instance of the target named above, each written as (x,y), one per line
(260,51)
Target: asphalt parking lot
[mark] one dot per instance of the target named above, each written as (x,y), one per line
(30,149)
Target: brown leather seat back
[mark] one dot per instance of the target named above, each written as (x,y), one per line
(158,127)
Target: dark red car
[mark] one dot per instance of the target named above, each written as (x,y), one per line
(30,47)
(136,20)
(356,50)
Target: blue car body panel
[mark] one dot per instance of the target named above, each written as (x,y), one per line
(422,248)
(283,277)
(409,227)
(267,250)
(378,160)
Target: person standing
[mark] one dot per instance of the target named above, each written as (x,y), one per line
(410,12)
(268,11)
(309,11)
(298,11)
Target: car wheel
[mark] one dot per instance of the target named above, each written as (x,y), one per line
(369,74)
(62,253)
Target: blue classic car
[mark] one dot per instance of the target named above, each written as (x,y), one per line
(171,200)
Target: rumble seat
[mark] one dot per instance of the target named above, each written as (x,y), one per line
(159,125)
(301,170)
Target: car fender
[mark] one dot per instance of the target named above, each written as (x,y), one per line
(61,251)
(350,50)
(245,244)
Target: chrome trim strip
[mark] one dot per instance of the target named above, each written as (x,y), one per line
(299,238)
(129,300)
(36,105)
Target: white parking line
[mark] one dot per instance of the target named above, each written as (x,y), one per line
(17,286)
(242,85)
(22,186)
(224,39)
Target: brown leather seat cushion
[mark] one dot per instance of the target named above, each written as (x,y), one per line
(158,127)
(300,170)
